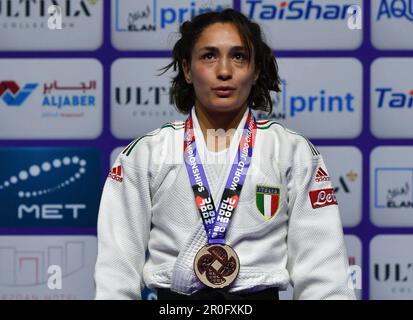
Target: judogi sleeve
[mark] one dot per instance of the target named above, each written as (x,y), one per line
(123,232)
(317,257)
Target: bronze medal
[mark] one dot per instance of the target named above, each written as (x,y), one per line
(216,265)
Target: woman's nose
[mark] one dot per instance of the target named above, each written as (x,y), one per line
(224,69)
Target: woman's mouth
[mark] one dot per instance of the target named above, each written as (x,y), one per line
(223,92)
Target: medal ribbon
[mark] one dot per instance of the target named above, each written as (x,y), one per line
(216,221)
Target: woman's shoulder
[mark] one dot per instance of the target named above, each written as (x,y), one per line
(289,141)
(274,128)
(152,145)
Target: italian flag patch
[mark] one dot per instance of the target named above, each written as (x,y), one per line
(267,199)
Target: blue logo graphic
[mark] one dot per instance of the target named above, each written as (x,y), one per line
(388,97)
(49,187)
(296,10)
(395,9)
(146,18)
(12,95)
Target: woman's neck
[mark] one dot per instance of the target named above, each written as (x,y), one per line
(210,122)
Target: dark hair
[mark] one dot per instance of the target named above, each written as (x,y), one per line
(259,99)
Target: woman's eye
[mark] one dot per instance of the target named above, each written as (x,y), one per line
(207,55)
(237,56)
(240,56)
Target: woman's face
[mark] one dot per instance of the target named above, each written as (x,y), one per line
(219,59)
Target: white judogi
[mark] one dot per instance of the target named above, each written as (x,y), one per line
(151,207)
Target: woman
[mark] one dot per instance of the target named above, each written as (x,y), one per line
(255,221)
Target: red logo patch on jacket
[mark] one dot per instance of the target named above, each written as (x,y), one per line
(322,197)
(116,173)
(321,175)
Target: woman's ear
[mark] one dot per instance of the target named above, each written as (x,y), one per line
(187,71)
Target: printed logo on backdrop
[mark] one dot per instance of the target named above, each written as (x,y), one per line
(41,102)
(392,97)
(392,104)
(47,267)
(24,22)
(140,98)
(13,95)
(392,24)
(393,188)
(288,105)
(391,191)
(395,9)
(57,100)
(345,182)
(391,266)
(67,99)
(34,14)
(298,10)
(289,24)
(154,21)
(48,187)
(153,15)
(140,104)
(399,275)
(313,105)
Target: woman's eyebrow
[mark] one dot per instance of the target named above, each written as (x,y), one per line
(215,49)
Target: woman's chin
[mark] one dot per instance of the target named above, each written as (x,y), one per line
(224,107)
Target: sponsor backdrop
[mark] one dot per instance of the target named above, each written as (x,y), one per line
(78,82)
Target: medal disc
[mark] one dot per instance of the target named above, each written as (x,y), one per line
(216,266)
